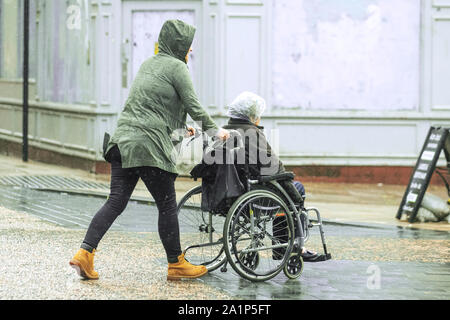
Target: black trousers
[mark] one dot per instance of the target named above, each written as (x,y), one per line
(160,184)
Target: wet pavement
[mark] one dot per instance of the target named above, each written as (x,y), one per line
(35,258)
(41,230)
(342,203)
(345,279)
(76,211)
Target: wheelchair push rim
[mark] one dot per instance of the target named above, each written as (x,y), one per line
(258,235)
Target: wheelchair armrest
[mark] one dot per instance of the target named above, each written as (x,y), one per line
(278,177)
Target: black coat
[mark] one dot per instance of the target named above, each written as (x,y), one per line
(256,166)
(259,144)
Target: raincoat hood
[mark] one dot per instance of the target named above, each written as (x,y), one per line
(161,97)
(175,39)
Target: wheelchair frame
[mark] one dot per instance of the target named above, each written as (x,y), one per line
(293,262)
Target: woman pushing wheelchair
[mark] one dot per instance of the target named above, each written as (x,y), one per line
(161,97)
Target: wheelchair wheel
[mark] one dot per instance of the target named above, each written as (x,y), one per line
(294,266)
(249,260)
(258,235)
(200,232)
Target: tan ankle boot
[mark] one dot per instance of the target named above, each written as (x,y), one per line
(184,270)
(83,263)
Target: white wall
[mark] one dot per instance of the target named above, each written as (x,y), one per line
(348,82)
(345,54)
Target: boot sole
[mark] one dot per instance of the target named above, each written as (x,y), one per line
(186,277)
(79,269)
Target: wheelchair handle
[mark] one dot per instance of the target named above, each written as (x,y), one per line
(199,132)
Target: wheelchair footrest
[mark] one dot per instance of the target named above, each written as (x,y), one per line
(320,258)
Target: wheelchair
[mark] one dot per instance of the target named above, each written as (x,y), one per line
(259,233)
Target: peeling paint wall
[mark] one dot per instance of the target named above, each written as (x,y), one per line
(346,54)
(11,36)
(9,44)
(66,72)
(343,78)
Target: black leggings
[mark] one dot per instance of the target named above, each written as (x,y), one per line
(160,184)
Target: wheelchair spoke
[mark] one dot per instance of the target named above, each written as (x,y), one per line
(258,236)
(278,246)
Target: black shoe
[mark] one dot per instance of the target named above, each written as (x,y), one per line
(309,256)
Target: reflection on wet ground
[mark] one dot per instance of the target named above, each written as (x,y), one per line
(344,279)
(76,211)
(369,261)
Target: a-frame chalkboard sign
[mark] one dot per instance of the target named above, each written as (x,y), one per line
(438,139)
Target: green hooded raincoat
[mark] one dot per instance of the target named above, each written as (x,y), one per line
(161,96)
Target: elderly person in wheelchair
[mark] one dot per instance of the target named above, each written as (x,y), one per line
(245,116)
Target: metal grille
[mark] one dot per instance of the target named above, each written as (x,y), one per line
(75,211)
(51,182)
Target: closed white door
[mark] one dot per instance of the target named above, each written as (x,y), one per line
(245,41)
(142,22)
(441,56)
(437,55)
